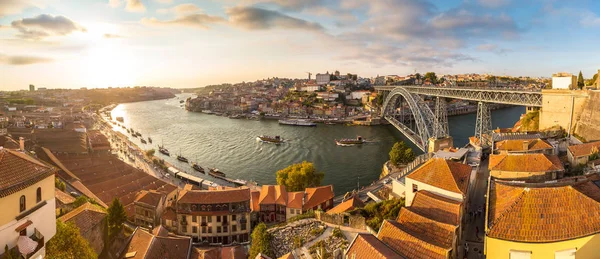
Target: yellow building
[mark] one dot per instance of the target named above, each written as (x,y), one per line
(27,220)
(543,220)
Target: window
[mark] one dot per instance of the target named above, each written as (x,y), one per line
(194,229)
(22,205)
(38,196)
(516,254)
(194,219)
(210,230)
(565,254)
(233,217)
(209,219)
(298,212)
(203,219)
(225,229)
(218,229)
(292,211)
(233,228)
(218,218)
(415,188)
(243,227)
(203,230)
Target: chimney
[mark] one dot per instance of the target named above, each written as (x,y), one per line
(22,144)
(525,145)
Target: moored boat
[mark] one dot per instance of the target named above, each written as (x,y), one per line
(163,150)
(269,139)
(182,158)
(349,142)
(143,140)
(295,122)
(198,168)
(150,140)
(216,173)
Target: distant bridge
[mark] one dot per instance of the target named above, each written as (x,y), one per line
(405,108)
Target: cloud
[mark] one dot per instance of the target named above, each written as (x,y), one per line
(181,9)
(12,6)
(492,48)
(114,3)
(295,5)
(254,18)
(164,1)
(192,20)
(493,3)
(23,60)
(135,6)
(45,25)
(590,19)
(112,36)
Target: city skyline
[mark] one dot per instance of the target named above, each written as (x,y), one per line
(183,43)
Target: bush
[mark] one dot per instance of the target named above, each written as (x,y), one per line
(261,240)
(401,154)
(375,213)
(337,232)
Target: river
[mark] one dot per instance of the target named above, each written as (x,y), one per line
(231,146)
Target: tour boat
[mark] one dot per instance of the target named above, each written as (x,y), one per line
(198,168)
(143,140)
(269,139)
(349,142)
(163,150)
(293,122)
(150,140)
(216,173)
(181,158)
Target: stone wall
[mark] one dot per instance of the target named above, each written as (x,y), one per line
(562,108)
(357,221)
(354,221)
(589,122)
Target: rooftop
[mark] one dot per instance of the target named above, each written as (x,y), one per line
(436,207)
(19,171)
(545,212)
(63,197)
(145,245)
(584,149)
(392,234)
(443,174)
(347,205)
(318,195)
(525,162)
(151,197)
(273,194)
(367,246)
(85,217)
(519,145)
(227,195)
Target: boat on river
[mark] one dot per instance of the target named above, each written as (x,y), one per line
(216,173)
(150,140)
(163,150)
(350,142)
(119,119)
(143,141)
(297,122)
(269,139)
(182,158)
(198,168)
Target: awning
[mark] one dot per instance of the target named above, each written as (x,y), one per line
(26,245)
(23,226)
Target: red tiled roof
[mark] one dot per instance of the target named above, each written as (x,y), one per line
(254,200)
(233,252)
(63,196)
(584,149)
(151,198)
(169,214)
(273,194)
(443,174)
(215,196)
(547,212)
(367,246)
(160,231)
(408,245)
(85,217)
(426,229)
(347,205)
(19,171)
(525,163)
(318,195)
(518,144)
(295,200)
(436,207)
(169,247)
(139,244)
(8,143)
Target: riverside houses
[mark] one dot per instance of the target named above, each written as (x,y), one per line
(218,216)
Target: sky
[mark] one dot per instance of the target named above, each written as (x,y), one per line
(193,43)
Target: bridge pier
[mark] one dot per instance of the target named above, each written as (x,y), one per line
(483,124)
(441,118)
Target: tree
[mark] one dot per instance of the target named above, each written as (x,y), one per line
(150,152)
(261,240)
(401,154)
(580,82)
(7,253)
(297,177)
(80,201)
(59,184)
(379,99)
(68,243)
(418,77)
(431,76)
(116,217)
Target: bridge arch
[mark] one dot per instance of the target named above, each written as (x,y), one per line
(426,125)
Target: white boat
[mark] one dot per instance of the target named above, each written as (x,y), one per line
(207,111)
(296,122)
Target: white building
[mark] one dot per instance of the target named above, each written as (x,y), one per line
(328,96)
(564,81)
(359,94)
(323,79)
(28,219)
(311,88)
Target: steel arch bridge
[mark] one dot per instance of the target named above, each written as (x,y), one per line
(428,124)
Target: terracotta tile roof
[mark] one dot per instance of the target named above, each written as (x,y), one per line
(254,200)
(19,171)
(584,149)
(518,144)
(139,244)
(151,198)
(367,246)
(8,143)
(63,196)
(169,247)
(444,174)
(60,140)
(98,140)
(169,214)
(426,229)
(525,163)
(85,217)
(436,207)
(160,231)
(347,205)
(547,212)
(295,200)
(233,252)
(215,196)
(273,194)
(318,195)
(286,256)
(391,234)
(77,185)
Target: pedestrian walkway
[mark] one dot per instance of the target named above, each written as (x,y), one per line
(473,231)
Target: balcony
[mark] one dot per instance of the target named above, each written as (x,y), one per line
(30,245)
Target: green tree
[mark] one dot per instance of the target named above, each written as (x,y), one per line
(80,201)
(68,243)
(261,240)
(431,76)
(418,77)
(401,153)
(59,184)
(375,213)
(7,253)
(150,153)
(379,99)
(297,177)
(580,82)
(116,217)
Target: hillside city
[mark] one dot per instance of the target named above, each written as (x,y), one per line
(74,185)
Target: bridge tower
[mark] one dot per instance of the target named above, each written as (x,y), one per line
(441,118)
(483,124)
